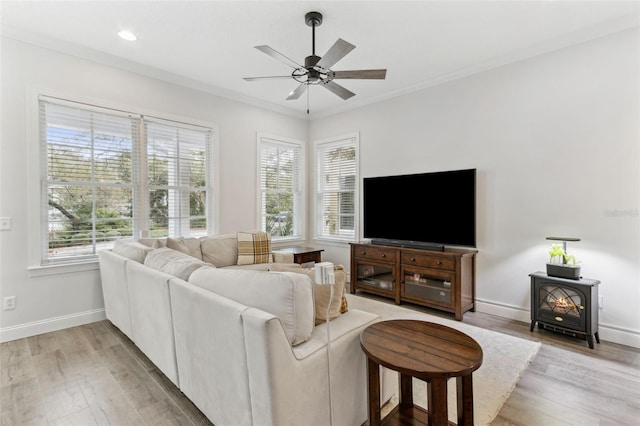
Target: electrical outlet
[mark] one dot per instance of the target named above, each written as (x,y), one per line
(9,303)
(600,299)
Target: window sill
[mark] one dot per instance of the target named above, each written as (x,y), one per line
(336,242)
(66,268)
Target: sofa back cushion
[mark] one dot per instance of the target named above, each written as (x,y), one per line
(154,242)
(173,262)
(190,246)
(286,295)
(220,250)
(131,249)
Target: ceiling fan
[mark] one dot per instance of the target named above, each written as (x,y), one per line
(316,69)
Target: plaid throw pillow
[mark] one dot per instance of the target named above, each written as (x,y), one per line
(254,248)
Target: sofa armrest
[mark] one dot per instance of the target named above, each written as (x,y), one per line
(281,256)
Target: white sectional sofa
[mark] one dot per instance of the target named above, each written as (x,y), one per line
(241,344)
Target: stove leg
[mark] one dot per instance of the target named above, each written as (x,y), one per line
(533,323)
(597,337)
(590,340)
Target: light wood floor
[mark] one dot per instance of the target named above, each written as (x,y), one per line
(93,375)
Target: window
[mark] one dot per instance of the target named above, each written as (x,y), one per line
(177,179)
(280,186)
(336,177)
(108,174)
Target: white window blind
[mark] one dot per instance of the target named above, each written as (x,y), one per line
(337,172)
(108,174)
(88,187)
(280,187)
(177,177)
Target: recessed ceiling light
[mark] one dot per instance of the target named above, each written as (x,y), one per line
(127,35)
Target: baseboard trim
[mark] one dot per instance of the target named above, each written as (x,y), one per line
(52,324)
(607,332)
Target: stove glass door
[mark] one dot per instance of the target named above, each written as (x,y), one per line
(562,305)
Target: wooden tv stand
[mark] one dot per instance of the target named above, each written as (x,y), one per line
(443,280)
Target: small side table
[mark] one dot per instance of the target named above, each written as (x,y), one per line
(303,254)
(427,351)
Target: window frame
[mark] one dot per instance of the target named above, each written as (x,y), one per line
(39,263)
(319,147)
(298,209)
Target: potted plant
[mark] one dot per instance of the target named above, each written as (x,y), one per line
(561,264)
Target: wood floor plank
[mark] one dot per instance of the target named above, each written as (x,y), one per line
(43,343)
(22,403)
(108,401)
(14,351)
(16,371)
(73,340)
(98,335)
(82,417)
(133,378)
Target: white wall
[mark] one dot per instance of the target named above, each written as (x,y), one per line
(556,143)
(47,302)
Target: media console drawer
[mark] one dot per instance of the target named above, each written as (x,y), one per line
(428,261)
(374,253)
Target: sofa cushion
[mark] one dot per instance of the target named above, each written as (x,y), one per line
(173,262)
(190,246)
(286,295)
(253,248)
(322,293)
(220,250)
(154,242)
(131,249)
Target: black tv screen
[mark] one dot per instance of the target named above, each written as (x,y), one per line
(425,209)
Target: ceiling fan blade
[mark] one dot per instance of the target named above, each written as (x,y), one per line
(338,90)
(297,92)
(273,77)
(336,52)
(363,74)
(279,56)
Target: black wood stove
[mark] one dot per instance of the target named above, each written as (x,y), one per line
(565,305)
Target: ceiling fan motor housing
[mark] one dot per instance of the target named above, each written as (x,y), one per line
(313,19)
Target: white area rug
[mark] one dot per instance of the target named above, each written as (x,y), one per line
(504,360)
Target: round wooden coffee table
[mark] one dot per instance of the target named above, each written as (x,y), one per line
(427,351)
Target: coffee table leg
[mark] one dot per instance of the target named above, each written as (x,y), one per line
(373,392)
(464,390)
(437,402)
(406,391)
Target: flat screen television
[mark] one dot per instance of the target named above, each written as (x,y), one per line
(430,210)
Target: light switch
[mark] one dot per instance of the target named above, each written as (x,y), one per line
(5,223)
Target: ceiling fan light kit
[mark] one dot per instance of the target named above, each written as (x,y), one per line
(316,69)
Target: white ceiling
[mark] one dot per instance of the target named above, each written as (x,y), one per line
(209,45)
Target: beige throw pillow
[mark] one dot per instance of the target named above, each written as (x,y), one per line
(321,293)
(131,249)
(220,250)
(254,248)
(173,262)
(190,246)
